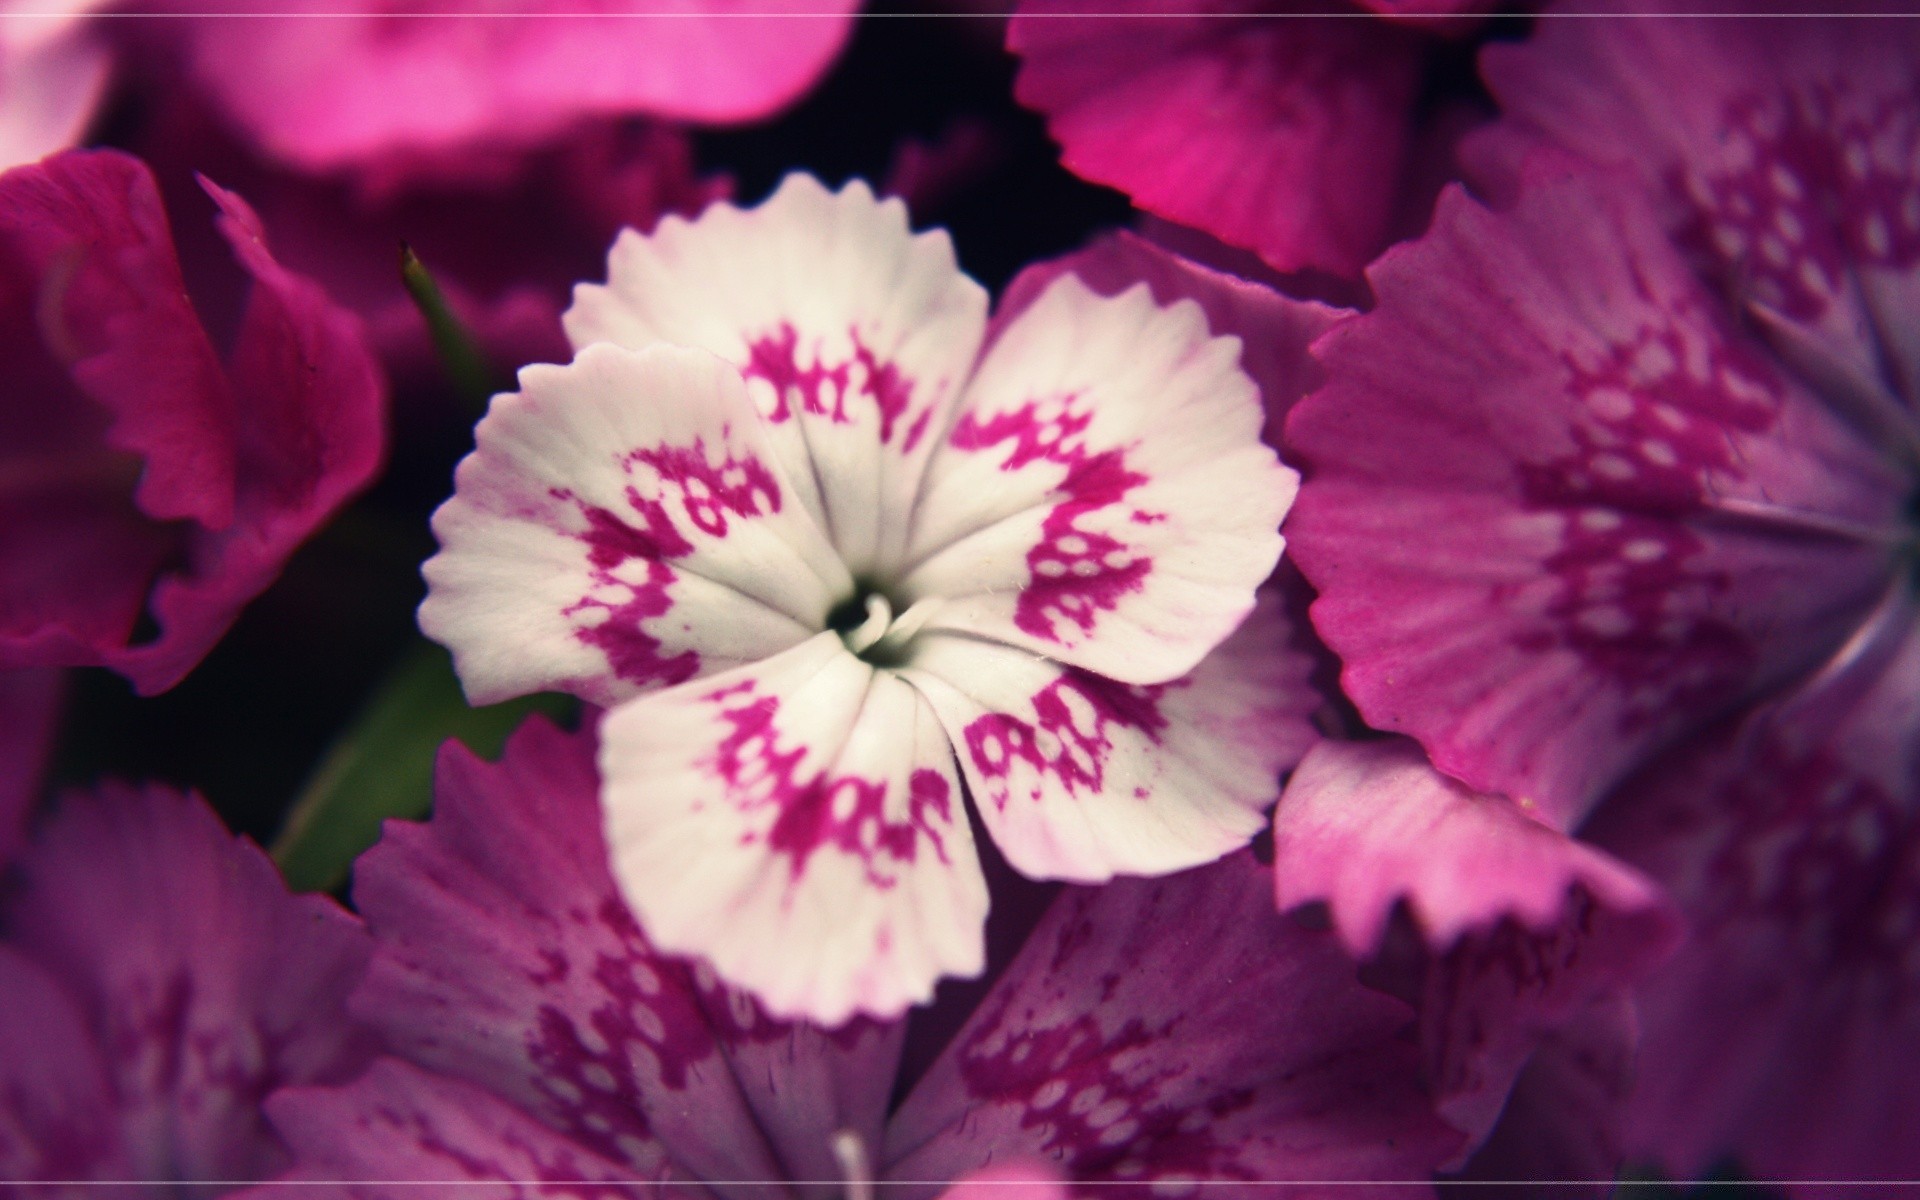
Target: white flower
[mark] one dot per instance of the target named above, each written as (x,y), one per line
(812,532)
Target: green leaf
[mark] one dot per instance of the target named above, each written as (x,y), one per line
(382,765)
(466,367)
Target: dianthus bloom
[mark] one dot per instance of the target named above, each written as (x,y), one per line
(793,478)
(1612,509)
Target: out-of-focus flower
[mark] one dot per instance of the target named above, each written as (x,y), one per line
(29,711)
(1302,136)
(158,982)
(783,473)
(396,86)
(1626,469)
(505,251)
(143,473)
(53,74)
(538,1034)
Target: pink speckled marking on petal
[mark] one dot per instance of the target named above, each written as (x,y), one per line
(1080,777)
(775,359)
(1103,499)
(1075,573)
(704,493)
(622,525)
(1128,1050)
(847,813)
(808,803)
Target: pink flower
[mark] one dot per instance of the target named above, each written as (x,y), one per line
(389,85)
(29,705)
(539,1035)
(141,475)
(53,75)
(794,479)
(158,981)
(1300,137)
(1612,505)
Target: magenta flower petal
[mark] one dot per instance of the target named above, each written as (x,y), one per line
(57,1116)
(507,959)
(1564,1119)
(1274,330)
(29,711)
(385,79)
(1562,508)
(1126,1051)
(1284,136)
(235,463)
(398,1127)
(1078,777)
(1787,1029)
(198,982)
(52,78)
(1784,155)
(1520,927)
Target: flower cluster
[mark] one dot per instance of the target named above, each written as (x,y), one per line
(1370,643)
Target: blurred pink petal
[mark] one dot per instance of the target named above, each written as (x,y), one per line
(29,711)
(153,478)
(1274,329)
(1787,1031)
(1277,131)
(158,981)
(1516,927)
(375,83)
(52,80)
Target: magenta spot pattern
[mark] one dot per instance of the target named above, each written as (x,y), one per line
(1826,853)
(759,768)
(666,480)
(1074,573)
(1827,181)
(1069,736)
(642,1018)
(1099,1097)
(823,390)
(1650,424)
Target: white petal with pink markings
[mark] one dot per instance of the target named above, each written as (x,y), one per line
(1104,498)
(806,801)
(622,526)
(1078,777)
(854,334)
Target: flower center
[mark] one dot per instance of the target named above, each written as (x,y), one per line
(872,624)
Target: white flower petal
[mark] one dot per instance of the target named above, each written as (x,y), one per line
(1104,497)
(855,336)
(622,525)
(1082,778)
(799,825)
